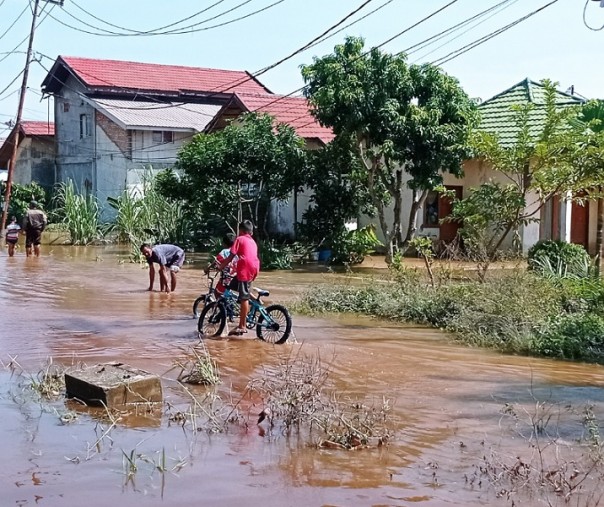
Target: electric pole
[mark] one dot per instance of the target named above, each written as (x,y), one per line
(13,158)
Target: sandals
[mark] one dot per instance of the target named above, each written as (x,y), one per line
(237,332)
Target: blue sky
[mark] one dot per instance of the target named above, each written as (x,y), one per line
(553,44)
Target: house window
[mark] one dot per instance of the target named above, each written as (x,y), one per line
(65,107)
(163,137)
(431,210)
(84,126)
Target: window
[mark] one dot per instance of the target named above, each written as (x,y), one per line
(65,107)
(163,137)
(431,210)
(84,126)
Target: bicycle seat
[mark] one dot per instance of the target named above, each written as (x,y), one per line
(262,293)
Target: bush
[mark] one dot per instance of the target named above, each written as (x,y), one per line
(275,257)
(578,336)
(351,247)
(559,259)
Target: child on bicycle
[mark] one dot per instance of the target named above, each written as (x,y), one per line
(228,276)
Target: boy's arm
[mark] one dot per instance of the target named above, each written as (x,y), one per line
(226,262)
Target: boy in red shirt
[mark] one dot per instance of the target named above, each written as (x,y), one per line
(248,266)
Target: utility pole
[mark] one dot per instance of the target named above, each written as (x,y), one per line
(13,158)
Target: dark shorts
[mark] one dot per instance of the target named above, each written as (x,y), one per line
(12,241)
(176,264)
(244,289)
(33,237)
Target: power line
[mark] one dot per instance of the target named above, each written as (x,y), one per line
(148,31)
(585,19)
(182,30)
(458,52)
(12,82)
(472,26)
(15,21)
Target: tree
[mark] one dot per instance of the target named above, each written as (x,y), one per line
(538,166)
(236,172)
(591,122)
(411,124)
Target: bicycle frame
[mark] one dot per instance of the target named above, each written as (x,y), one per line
(229,299)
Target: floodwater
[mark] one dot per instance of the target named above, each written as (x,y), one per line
(86,305)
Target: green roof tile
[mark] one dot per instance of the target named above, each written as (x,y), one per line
(497,116)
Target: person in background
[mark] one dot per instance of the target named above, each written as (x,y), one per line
(12,235)
(170,258)
(34,224)
(248,267)
(229,274)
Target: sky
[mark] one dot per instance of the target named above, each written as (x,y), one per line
(555,43)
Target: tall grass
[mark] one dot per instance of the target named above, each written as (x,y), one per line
(79,213)
(146,216)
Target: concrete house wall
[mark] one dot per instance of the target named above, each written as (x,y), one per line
(35,162)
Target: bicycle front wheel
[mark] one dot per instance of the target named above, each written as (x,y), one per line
(212,320)
(198,305)
(277,327)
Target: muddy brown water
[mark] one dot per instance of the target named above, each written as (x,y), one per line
(87,305)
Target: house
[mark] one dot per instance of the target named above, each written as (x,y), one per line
(35,153)
(558,219)
(115,118)
(293,111)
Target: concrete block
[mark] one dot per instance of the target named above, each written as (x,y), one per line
(113,384)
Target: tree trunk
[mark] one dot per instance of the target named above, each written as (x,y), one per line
(416,205)
(599,235)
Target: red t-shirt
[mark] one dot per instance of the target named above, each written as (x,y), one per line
(248,264)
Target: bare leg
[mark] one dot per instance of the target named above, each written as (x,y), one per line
(244,309)
(172,281)
(28,250)
(37,250)
(11,249)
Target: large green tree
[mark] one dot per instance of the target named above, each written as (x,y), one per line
(410,122)
(235,173)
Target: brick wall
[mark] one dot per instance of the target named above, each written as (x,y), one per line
(118,135)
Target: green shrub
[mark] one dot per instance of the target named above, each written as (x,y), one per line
(273,256)
(559,259)
(79,213)
(351,247)
(578,336)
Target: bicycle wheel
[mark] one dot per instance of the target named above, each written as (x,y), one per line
(198,305)
(278,326)
(212,320)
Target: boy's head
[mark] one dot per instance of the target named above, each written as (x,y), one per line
(228,240)
(246,227)
(13,219)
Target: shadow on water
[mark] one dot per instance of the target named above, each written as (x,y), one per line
(86,305)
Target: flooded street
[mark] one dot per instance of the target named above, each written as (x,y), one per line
(86,305)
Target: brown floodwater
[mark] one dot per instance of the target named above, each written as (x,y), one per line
(87,305)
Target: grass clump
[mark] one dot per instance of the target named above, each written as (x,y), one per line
(516,312)
(199,369)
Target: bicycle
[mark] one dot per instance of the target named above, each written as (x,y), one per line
(209,296)
(273,323)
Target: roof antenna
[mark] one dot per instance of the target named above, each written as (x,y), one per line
(571,90)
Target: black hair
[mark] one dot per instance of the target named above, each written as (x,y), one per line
(228,239)
(145,245)
(13,218)
(246,226)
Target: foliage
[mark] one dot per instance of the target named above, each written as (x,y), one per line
(234,173)
(22,195)
(275,257)
(559,258)
(405,119)
(147,216)
(338,195)
(514,312)
(542,164)
(575,336)
(351,247)
(79,213)
(425,249)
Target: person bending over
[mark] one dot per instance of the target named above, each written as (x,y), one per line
(169,258)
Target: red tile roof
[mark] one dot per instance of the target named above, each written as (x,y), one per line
(290,110)
(38,128)
(156,77)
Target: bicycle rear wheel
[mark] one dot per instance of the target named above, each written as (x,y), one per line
(277,328)
(212,320)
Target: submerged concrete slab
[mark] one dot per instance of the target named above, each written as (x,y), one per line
(113,384)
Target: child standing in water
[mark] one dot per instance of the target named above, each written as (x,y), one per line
(12,235)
